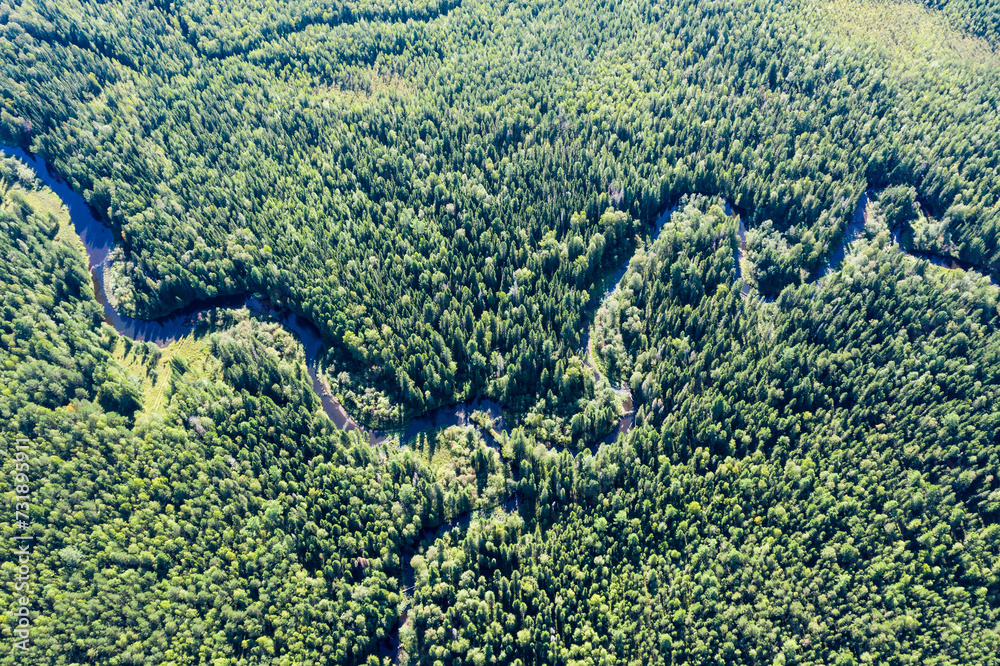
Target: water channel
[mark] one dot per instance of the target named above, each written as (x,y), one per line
(99,241)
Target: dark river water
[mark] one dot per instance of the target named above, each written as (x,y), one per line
(98,241)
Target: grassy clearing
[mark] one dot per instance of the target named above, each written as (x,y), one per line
(908,31)
(154,374)
(46,203)
(449,453)
(471,474)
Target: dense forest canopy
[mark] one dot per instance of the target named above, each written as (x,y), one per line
(191,504)
(449,191)
(440,187)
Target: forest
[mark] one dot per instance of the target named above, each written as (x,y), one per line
(363,164)
(540,204)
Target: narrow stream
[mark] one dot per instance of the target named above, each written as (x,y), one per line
(856,227)
(854,230)
(627,421)
(99,241)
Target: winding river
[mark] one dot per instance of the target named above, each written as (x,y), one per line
(856,227)
(627,421)
(98,241)
(852,232)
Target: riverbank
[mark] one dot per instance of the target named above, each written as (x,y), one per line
(98,243)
